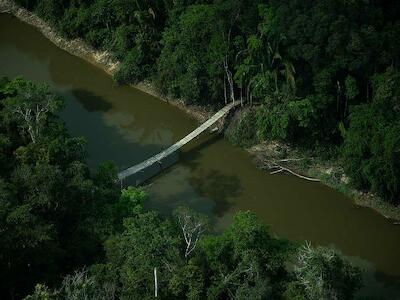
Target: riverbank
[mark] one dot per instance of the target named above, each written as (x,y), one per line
(327,171)
(102,59)
(275,157)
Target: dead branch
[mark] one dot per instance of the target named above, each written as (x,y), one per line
(275,172)
(291,159)
(278,168)
(192,229)
(281,169)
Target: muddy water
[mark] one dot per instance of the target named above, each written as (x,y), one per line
(127,126)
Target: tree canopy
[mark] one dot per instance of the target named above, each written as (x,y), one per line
(67,232)
(54,213)
(309,65)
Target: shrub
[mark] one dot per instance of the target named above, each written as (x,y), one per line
(371,151)
(242,131)
(50,10)
(132,68)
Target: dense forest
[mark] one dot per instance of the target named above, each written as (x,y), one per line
(319,74)
(67,232)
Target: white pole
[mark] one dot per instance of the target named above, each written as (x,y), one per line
(155,283)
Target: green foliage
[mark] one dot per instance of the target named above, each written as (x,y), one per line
(188,282)
(131,202)
(42,292)
(146,242)
(186,60)
(29,4)
(323,274)
(245,261)
(78,286)
(54,213)
(373,160)
(29,106)
(124,41)
(75,22)
(351,87)
(50,10)
(242,131)
(131,68)
(307,62)
(283,118)
(315,67)
(196,45)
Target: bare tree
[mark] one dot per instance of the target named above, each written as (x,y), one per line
(82,286)
(226,100)
(316,267)
(232,280)
(31,107)
(34,117)
(228,76)
(192,225)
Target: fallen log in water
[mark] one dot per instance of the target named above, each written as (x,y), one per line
(281,169)
(273,165)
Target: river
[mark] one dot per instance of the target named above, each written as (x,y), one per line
(126,126)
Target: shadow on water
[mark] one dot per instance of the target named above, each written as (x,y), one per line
(90,101)
(211,183)
(110,134)
(137,126)
(143,176)
(387,280)
(215,185)
(208,191)
(190,156)
(377,285)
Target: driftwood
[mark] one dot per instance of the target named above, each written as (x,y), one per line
(278,168)
(291,159)
(281,169)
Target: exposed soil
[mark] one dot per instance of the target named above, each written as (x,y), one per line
(327,171)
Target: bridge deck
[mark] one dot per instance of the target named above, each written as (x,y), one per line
(160,156)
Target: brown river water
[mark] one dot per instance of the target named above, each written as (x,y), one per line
(127,126)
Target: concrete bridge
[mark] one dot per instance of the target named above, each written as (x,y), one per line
(157,163)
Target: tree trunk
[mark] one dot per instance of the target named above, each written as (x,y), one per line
(230,80)
(241,95)
(155,283)
(226,102)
